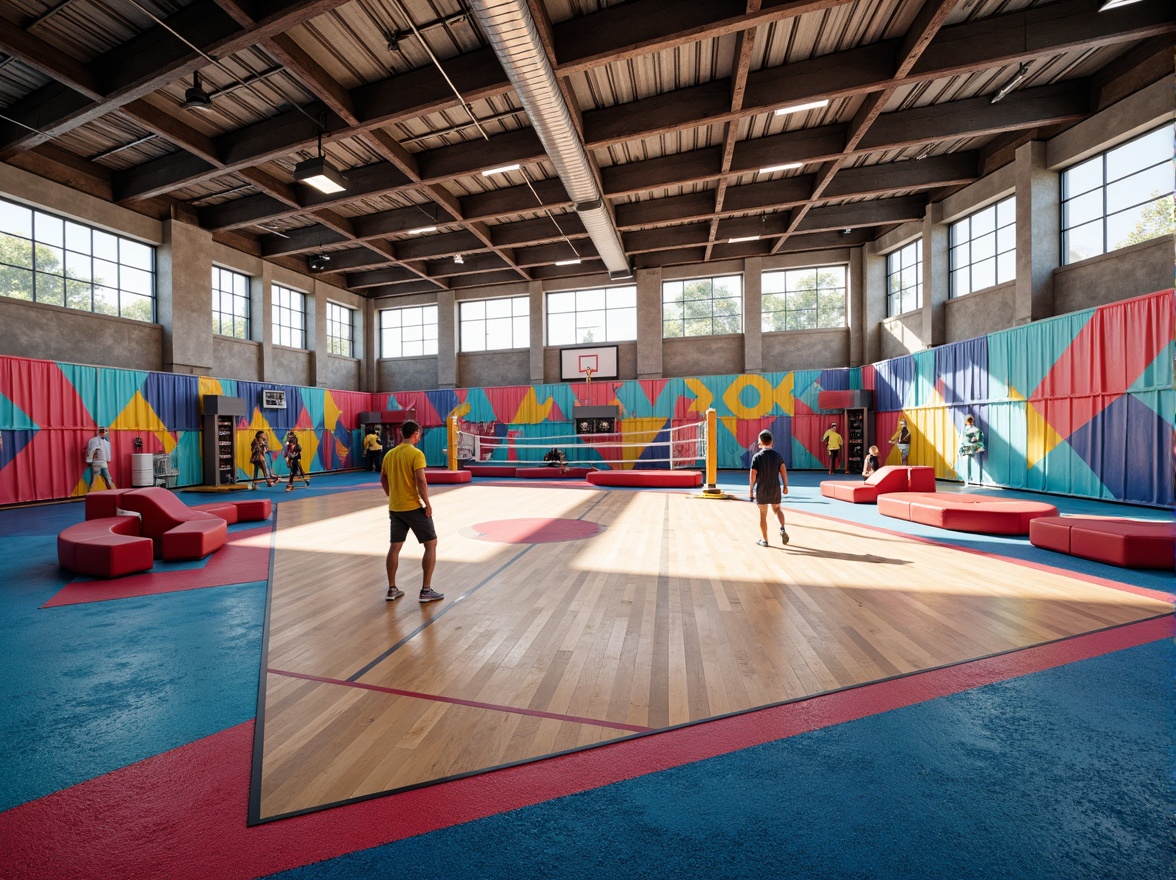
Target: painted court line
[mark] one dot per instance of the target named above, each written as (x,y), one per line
(575,719)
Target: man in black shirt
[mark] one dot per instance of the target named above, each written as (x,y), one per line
(766,477)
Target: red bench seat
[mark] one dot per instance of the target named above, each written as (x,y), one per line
(660,479)
(552,473)
(162,512)
(965,513)
(106,547)
(892,478)
(492,470)
(1123,542)
(444,475)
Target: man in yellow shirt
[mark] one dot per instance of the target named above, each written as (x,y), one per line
(372,449)
(403,479)
(832,441)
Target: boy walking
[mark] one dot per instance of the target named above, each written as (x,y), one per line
(403,479)
(766,480)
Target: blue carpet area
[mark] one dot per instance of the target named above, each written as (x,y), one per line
(87,689)
(1059,775)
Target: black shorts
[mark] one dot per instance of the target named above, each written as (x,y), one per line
(768,494)
(403,520)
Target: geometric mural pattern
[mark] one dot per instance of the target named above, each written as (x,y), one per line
(1081,404)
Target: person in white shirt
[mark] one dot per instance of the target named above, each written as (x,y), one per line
(98,456)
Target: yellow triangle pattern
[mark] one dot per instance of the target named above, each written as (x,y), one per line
(1040,436)
(331,412)
(642,431)
(531,411)
(140,416)
(209,385)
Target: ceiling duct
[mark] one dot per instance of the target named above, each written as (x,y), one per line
(511,31)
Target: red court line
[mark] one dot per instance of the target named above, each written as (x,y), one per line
(574,719)
(1036,566)
(182,814)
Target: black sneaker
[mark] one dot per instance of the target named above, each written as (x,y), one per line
(393,594)
(783,535)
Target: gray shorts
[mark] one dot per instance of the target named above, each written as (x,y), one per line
(403,520)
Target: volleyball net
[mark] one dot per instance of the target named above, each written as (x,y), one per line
(672,447)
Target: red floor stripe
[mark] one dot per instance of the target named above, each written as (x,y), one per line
(182,814)
(574,719)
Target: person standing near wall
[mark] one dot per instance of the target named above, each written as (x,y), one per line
(403,480)
(832,441)
(293,453)
(98,457)
(372,449)
(902,439)
(971,447)
(259,458)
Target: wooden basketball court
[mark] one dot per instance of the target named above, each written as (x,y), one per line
(669,614)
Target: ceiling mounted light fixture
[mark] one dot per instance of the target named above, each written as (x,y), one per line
(797,108)
(575,262)
(502,169)
(1115,4)
(320,173)
(196,98)
(743,238)
(421,230)
(787,166)
(318,262)
(1022,72)
(458,259)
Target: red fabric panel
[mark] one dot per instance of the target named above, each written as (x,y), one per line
(1109,353)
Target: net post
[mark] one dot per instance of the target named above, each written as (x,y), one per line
(710,489)
(451,436)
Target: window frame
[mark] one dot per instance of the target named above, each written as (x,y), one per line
(219,316)
(907,257)
(280,310)
(519,321)
(789,275)
(684,321)
(78,252)
(424,324)
(339,317)
(1099,195)
(962,237)
(612,315)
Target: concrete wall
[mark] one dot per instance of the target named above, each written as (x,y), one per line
(342,373)
(985,311)
(407,374)
(702,356)
(1132,271)
(489,368)
(236,358)
(805,350)
(51,333)
(901,335)
(293,365)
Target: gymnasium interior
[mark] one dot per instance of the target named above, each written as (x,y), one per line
(594,248)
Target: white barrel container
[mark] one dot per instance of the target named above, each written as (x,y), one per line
(142,470)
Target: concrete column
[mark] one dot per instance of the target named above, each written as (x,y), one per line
(855,308)
(935,280)
(649,323)
(538,325)
(184,303)
(753,336)
(1039,234)
(874,300)
(446,339)
(316,334)
(261,291)
(369,375)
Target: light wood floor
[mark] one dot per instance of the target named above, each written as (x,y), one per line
(670,615)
